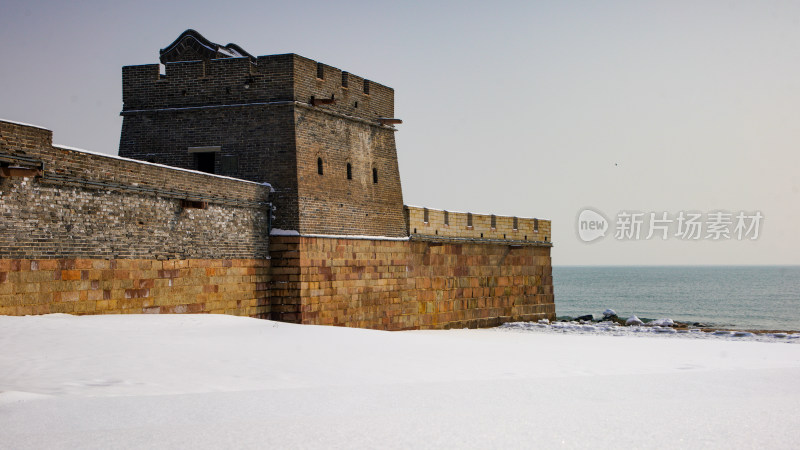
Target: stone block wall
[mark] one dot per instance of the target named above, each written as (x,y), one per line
(398,285)
(98,234)
(134,286)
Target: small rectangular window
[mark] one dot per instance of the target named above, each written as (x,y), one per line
(366,86)
(320,71)
(193,204)
(425,215)
(516,224)
(204,162)
(447,218)
(469,219)
(494,221)
(345,79)
(375,176)
(535,225)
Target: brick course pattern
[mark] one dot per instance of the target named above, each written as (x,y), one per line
(263,112)
(134,286)
(97,234)
(400,285)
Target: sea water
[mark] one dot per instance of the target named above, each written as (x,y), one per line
(739,297)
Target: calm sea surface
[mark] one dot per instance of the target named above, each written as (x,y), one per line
(759,298)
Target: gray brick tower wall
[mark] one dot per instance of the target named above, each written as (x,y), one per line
(274,119)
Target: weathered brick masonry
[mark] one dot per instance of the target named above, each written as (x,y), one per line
(277,118)
(87,234)
(98,234)
(398,285)
(446,275)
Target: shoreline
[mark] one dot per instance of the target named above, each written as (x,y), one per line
(664,327)
(677,325)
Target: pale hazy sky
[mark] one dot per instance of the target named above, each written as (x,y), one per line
(533,109)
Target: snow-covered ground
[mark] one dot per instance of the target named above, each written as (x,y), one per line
(205,381)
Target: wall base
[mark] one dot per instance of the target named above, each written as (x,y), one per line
(402,285)
(134,286)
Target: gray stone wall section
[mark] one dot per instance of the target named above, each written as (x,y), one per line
(261,138)
(94,206)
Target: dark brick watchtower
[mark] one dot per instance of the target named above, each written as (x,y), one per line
(322,137)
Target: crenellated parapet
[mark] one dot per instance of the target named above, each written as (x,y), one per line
(436,224)
(262,80)
(206,83)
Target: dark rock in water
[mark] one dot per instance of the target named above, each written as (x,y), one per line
(701,325)
(587,317)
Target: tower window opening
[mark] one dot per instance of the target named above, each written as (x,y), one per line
(469,219)
(204,162)
(535,225)
(349,171)
(345,79)
(446,218)
(516,224)
(320,71)
(425,215)
(319,166)
(375,176)
(366,87)
(494,221)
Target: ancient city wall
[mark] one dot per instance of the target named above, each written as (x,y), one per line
(90,234)
(86,233)
(400,284)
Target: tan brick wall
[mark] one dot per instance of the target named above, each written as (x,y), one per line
(526,229)
(284,284)
(397,285)
(332,204)
(134,286)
